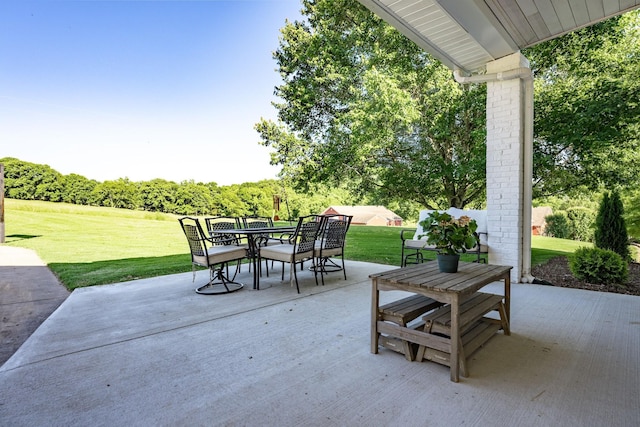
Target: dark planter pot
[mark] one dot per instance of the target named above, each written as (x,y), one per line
(448,263)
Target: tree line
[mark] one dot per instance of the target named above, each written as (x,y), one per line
(31,181)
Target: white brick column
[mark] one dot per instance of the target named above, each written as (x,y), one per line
(509,124)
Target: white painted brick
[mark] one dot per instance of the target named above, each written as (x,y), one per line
(504,169)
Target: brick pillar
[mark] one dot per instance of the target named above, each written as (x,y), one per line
(506,168)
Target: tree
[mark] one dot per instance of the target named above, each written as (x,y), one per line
(257,198)
(120,193)
(611,230)
(365,106)
(158,195)
(586,110)
(194,199)
(31,181)
(78,189)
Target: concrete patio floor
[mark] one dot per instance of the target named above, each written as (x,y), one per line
(153,352)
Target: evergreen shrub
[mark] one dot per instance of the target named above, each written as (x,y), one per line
(599,266)
(611,230)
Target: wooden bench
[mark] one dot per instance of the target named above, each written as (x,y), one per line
(401,312)
(475,328)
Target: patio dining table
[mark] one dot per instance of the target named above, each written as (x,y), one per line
(253,236)
(450,288)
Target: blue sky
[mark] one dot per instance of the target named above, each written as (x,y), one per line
(143,89)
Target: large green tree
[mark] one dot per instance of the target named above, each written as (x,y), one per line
(363,105)
(158,195)
(78,189)
(31,181)
(587,110)
(119,193)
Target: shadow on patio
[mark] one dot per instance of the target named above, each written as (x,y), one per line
(153,352)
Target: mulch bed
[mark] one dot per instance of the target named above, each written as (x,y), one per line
(556,272)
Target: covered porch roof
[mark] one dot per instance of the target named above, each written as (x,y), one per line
(467,34)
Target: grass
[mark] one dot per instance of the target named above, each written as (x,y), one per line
(86,246)
(545,248)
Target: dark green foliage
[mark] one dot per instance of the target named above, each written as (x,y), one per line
(611,230)
(575,223)
(557,226)
(599,266)
(30,181)
(78,190)
(581,222)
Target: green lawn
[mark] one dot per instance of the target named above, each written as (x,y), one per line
(87,246)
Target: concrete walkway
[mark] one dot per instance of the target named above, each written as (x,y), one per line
(29,293)
(153,352)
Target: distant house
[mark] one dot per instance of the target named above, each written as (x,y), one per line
(538,222)
(366,215)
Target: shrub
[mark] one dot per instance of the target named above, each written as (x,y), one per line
(611,230)
(557,226)
(581,221)
(599,266)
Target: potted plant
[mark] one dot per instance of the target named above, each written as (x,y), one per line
(450,236)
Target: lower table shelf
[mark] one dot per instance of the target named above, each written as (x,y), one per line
(430,339)
(474,338)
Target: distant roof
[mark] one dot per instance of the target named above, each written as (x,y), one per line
(539,214)
(363,214)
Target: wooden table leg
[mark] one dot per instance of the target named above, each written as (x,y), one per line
(507,296)
(375,302)
(455,338)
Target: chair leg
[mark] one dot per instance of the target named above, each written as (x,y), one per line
(318,267)
(315,270)
(235,273)
(322,269)
(295,275)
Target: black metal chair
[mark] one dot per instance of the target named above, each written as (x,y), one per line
(330,244)
(299,248)
(259,222)
(215,258)
(264,222)
(222,223)
(216,223)
(256,222)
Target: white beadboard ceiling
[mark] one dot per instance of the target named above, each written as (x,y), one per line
(466,34)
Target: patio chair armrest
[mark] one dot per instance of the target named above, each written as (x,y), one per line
(402,235)
(285,237)
(224,240)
